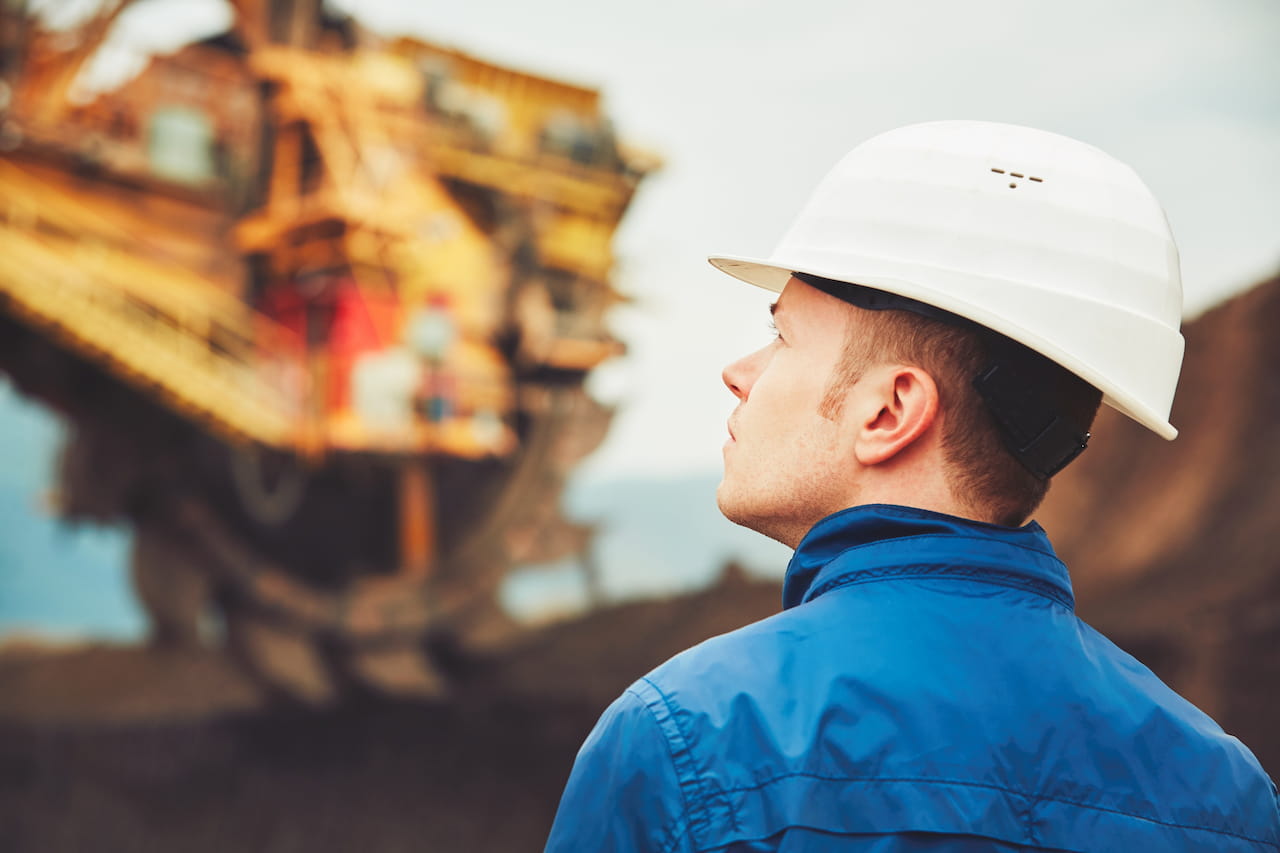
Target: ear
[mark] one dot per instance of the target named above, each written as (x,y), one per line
(898,405)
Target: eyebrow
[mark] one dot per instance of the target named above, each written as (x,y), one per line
(773,309)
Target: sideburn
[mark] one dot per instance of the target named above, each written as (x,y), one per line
(855,357)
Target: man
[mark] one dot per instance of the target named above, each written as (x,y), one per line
(956,300)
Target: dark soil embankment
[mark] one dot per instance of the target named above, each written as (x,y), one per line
(1173,546)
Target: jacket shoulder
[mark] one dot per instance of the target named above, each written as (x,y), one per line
(623,792)
(903,702)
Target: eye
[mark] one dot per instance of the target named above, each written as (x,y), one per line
(773,327)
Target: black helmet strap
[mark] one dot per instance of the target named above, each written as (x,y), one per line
(1043,440)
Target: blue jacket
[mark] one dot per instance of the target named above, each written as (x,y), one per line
(927,687)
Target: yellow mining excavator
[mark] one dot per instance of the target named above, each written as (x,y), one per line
(318,308)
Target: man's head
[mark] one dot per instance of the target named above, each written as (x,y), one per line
(1002,275)
(849,406)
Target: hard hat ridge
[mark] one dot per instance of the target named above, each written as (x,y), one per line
(1078,264)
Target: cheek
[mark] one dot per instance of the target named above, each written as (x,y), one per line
(797,437)
(796,396)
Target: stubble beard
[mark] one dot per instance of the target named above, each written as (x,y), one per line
(772,524)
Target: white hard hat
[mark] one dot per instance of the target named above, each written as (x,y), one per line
(1039,237)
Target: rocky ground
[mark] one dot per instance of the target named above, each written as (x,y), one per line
(131,749)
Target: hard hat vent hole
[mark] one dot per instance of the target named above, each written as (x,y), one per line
(1019,175)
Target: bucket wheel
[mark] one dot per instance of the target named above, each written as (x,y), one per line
(311,637)
(310,644)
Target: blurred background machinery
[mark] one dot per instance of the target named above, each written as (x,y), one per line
(318,309)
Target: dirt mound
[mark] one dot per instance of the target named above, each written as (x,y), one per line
(596,657)
(107,685)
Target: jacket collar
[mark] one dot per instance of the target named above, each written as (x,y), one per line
(879,541)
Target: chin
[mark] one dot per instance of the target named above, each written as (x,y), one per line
(729,507)
(762,518)
(722,501)
(735,509)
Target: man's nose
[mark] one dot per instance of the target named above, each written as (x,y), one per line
(739,376)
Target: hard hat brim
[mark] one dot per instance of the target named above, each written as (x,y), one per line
(772,276)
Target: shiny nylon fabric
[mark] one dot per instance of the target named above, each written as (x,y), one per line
(927,687)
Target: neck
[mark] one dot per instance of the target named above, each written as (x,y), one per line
(918,478)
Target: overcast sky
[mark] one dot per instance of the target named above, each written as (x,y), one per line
(749,103)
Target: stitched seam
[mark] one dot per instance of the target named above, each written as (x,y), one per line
(924,571)
(952,537)
(1029,816)
(674,831)
(1001,789)
(910,514)
(675,767)
(698,783)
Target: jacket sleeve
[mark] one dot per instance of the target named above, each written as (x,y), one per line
(623,794)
